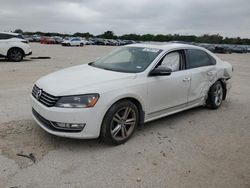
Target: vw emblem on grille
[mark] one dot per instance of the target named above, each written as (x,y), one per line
(38,94)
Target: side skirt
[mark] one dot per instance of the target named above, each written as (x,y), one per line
(172,110)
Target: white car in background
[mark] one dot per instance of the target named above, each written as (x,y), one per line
(74,42)
(13,46)
(132,85)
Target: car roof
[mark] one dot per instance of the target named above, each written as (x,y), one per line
(9,33)
(166,47)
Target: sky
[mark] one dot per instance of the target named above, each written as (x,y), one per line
(229,18)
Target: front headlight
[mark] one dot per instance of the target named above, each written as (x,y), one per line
(80,101)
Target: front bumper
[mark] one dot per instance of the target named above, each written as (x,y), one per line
(91,117)
(30,53)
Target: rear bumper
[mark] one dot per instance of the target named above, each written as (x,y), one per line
(227,87)
(228,84)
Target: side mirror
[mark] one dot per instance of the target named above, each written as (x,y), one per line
(161,71)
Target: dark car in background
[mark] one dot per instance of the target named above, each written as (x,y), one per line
(223,49)
(209,47)
(239,49)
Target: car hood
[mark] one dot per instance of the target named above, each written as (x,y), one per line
(79,80)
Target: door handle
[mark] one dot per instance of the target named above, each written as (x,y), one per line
(186,79)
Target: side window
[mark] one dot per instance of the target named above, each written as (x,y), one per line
(198,58)
(19,36)
(5,36)
(172,61)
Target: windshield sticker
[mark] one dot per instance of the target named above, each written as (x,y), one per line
(138,67)
(150,50)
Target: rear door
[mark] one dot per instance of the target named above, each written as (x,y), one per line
(202,67)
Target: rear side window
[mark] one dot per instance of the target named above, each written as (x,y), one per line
(198,58)
(5,36)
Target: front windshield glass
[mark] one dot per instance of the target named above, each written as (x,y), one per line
(128,59)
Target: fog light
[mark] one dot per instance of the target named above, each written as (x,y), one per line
(73,126)
(77,126)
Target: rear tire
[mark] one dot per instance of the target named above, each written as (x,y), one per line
(81,44)
(15,55)
(119,122)
(215,96)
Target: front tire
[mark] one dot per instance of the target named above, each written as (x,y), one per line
(119,122)
(215,96)
(15,54)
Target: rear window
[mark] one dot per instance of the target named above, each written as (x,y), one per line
(198,58)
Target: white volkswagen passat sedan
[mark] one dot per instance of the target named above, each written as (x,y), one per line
(133,84)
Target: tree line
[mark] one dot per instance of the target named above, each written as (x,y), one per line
(206,38)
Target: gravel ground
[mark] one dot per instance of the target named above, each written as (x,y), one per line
(195,148)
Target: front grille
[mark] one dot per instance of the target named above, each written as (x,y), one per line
(51,125)
(43,97)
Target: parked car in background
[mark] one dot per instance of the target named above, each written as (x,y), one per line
(73,42)
(129,42)
(47,40)
(133,84)
(121,42)
(99,41)
(209,47)
(248,49)
(89,42)
(28,38)
(113,42)
(239,49)
(58,39)
(36,38)
(13,46)
(222,49)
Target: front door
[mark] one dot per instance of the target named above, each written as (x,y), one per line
(167,93)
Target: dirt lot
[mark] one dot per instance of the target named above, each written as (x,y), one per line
(195,148)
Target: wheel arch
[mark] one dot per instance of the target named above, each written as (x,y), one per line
(138,105)
(224,86)
(15,48)
(134,100)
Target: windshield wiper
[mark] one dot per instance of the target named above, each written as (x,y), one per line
(93,65)
(106,68)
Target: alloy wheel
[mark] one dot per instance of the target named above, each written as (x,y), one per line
(123,123)
(218,94)
(16,55)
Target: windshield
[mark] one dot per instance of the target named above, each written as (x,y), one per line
(128,59)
